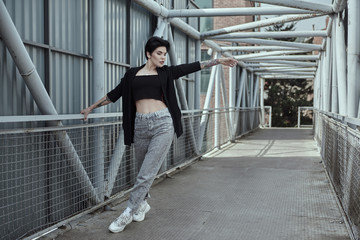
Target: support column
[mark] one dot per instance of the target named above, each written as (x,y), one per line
(98,91)
(340,64)
(353,57)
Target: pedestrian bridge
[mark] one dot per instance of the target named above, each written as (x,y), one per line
(230,175)
(270,184)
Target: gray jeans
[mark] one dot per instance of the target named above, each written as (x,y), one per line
(153,136)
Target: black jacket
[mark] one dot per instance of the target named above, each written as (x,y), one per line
(166,75)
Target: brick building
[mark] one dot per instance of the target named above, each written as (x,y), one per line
(217,23)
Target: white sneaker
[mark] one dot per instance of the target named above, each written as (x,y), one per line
(120,223)
(139,215)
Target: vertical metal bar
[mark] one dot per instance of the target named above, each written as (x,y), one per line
(262,81)
(340,64)
(98,82)
(299,109)
(204,115)
(217,106)
(197,75)
(353,57)
(334,82)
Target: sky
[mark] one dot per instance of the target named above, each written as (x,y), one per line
(306,25)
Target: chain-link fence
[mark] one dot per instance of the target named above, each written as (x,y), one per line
(49,174)
(340,151)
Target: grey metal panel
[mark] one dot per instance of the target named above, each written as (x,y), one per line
(115,46)
(115,30)
(14,93)
(70,25)
(140,31)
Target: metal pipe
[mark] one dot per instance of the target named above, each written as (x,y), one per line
(232,75)
(282,73)
(262,84)
(185,28)
(279,43)
(258,24)
(98,92)
(334,82)
(204,115)
(282,63)
(283,69)
(339,5)
(340,64)
(217,106)
(281,34)
(13,42)
(250,11)
(115,163)
(154,7)
(265,54)
(353,56)
(256,48)
(312,6)
(295,57)
(287,76)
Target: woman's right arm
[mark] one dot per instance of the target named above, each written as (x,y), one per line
(102,102)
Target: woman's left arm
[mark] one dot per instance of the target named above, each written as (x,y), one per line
(224,61)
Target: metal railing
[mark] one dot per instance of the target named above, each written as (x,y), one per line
(48,175)
(339,140)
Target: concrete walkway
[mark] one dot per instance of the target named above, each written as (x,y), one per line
(269,185)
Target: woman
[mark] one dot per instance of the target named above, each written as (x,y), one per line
(151,117)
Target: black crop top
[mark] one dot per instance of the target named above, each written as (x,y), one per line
(147,87)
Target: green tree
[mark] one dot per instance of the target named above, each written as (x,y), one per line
(286,95)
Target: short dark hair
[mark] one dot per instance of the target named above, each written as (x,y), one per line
(155,42)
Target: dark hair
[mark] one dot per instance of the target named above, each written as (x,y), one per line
(155,42)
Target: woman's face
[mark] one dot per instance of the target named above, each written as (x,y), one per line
(158,56)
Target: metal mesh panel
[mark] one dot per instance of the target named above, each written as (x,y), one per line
(49,174)
(340,150)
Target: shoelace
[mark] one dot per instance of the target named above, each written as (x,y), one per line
(121,220)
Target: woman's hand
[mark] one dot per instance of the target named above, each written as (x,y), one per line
(231,62)
(86,112)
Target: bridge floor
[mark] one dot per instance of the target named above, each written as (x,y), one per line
(268,185)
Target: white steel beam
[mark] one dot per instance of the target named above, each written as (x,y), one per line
(280,43)
(281,69)
(353,56)
(340,64)
(256,48)
(154,7)
(265,54)
(312,6)
(213,12)
(293,57)
(258,24)
(280,34)
(281,63)
(275,73)
(287,76)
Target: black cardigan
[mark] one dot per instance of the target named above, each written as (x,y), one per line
(166,75)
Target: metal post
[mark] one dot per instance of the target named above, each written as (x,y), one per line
(98,92)
(262,82)
(13,42)
(204,115)
(334,81)
(353,57)
(232,73)
(217,106)
(340,64)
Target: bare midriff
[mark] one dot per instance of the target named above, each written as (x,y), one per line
(149,105)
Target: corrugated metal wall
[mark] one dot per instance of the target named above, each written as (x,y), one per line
(58,37)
